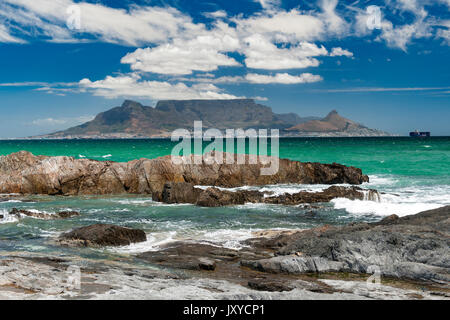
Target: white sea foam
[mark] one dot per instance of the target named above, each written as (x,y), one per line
(7,218)
(154,242)
(396,199)
(358,207)
(232,239)
(275,190)
(107,156)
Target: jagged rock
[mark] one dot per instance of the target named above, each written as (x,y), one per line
(214,197)
(102,235)
(25,173)
(411,247)
(43,215)
(181,192)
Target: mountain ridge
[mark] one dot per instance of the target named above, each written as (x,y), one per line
(134,120)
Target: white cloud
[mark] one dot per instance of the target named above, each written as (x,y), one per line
(132,86)
(216,14)
(444,32)
(203,53)
(338,52)
(135,26)
(395,35)
(291,25)
(269,4)
(335,25)
(283,78)
(5,36)
(261,53)
(401,36)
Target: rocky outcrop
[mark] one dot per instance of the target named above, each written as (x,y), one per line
(25,173)
(43,215)
(182,192)
(412,247)
(101,235)
(403,249)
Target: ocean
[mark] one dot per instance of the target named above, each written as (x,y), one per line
(411,174)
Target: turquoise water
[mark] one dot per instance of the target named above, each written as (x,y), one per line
(413,174)
(404,156)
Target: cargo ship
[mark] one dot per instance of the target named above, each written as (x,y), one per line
(419,134)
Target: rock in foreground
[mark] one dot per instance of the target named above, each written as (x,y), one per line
(25,173)
(413,247)
(102,235)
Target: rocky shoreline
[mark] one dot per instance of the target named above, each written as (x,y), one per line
(410,254)
(25,173)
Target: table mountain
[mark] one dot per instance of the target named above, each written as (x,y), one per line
(132,119)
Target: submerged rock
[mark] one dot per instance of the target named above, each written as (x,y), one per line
(102,235)
(182,192)
(42,215)
(25,173)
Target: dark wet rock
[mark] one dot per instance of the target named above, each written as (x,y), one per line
(42,215)
(25,173)
(214,197)
(181,192)
(67,214)
(269,285)
(412,247)
(191,256)
(102,235)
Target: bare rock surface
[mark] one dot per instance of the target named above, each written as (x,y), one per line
(412,247)
(25,173)
(102,235)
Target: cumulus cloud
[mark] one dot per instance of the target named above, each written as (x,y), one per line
(133,86)
(205,53)
(261,53)
(397,35)
(282,78)
(291,25)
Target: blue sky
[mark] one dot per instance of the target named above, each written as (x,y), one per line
(382,63)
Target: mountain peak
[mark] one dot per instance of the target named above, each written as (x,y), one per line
(130,103)
(333,112)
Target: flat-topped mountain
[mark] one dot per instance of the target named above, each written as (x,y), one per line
(132,119)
